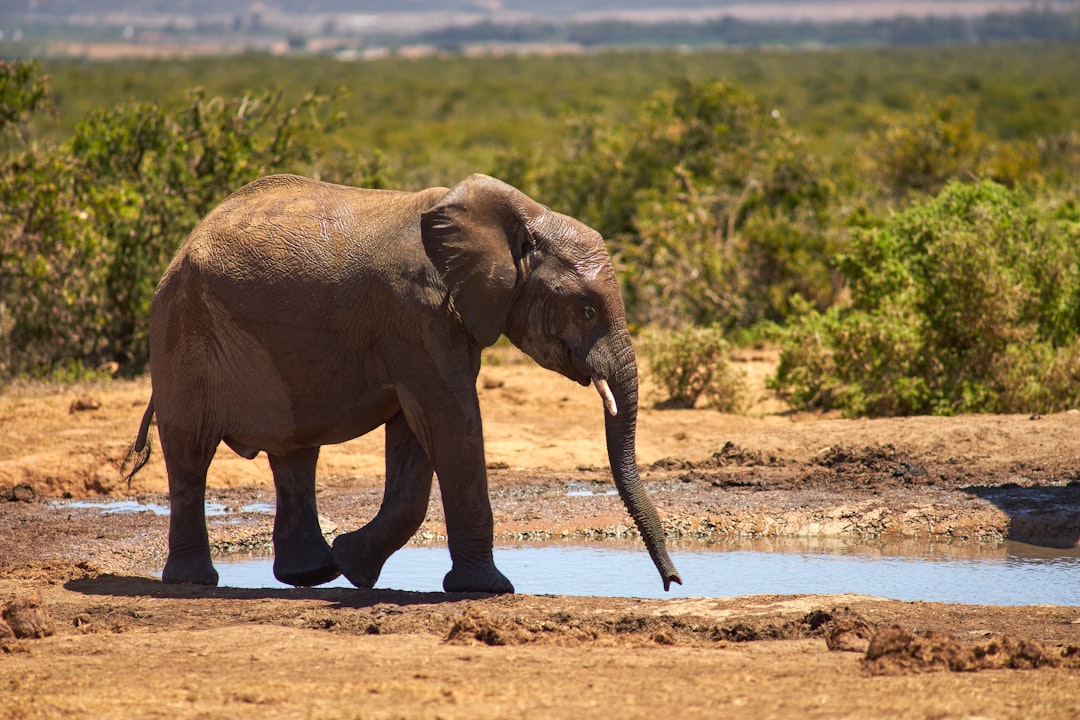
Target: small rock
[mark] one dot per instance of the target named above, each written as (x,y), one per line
(84,402)
(849,635)
(663,637)
(23,492)
(328,527)
(27,617)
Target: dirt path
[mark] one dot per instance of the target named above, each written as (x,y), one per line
(124,645)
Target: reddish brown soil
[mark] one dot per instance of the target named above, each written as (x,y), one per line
(117,643)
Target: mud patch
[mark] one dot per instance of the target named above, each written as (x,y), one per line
(875,462)
(475,626)
(729,455)
(896,651)
(49,571)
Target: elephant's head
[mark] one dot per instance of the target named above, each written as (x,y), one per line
(513,266)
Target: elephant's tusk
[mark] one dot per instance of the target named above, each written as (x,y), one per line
(605,393)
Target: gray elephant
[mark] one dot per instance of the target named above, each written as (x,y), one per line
(300,313)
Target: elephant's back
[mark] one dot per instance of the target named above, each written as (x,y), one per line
(287,226)
(300,250)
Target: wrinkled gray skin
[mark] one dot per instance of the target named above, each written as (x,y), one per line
(300,313)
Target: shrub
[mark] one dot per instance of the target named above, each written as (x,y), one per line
(692,364)
(23,93)
(713,211)
(968,302)
(87,227)
(922,151)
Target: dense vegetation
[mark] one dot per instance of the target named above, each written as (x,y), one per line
(904,223)
(968,301)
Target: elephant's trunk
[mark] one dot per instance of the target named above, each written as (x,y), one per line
(620,425)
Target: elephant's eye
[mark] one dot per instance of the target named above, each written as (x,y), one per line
(590,313)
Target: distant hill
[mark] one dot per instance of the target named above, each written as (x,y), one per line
(820,10)
(114,28)
(550,8)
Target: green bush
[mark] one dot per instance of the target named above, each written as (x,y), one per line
(922,151)
(24,92)
(691,365)
(968,302)
(88,226)
(712,208)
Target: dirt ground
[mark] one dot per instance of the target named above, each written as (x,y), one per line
(115,642)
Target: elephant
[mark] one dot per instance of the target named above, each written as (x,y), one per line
(300,313)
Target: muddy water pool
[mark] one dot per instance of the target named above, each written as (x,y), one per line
(1013,574)
(1009,574)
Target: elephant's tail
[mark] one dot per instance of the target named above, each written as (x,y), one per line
(138,453)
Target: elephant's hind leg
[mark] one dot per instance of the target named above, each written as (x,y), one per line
(301,554)
(362,553)
(187,457)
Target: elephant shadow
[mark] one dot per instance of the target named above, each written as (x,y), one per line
(136,586)
(1042,515)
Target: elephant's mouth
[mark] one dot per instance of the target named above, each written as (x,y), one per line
(575,370)
(571,366)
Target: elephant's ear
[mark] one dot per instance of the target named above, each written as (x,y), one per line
(476,236)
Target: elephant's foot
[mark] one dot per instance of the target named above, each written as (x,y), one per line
(484,578)
(304,564)
(358,559)
(197,570)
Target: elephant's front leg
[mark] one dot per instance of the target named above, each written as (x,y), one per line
(463,485)
(301,554)
(362,553)
(470,531)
